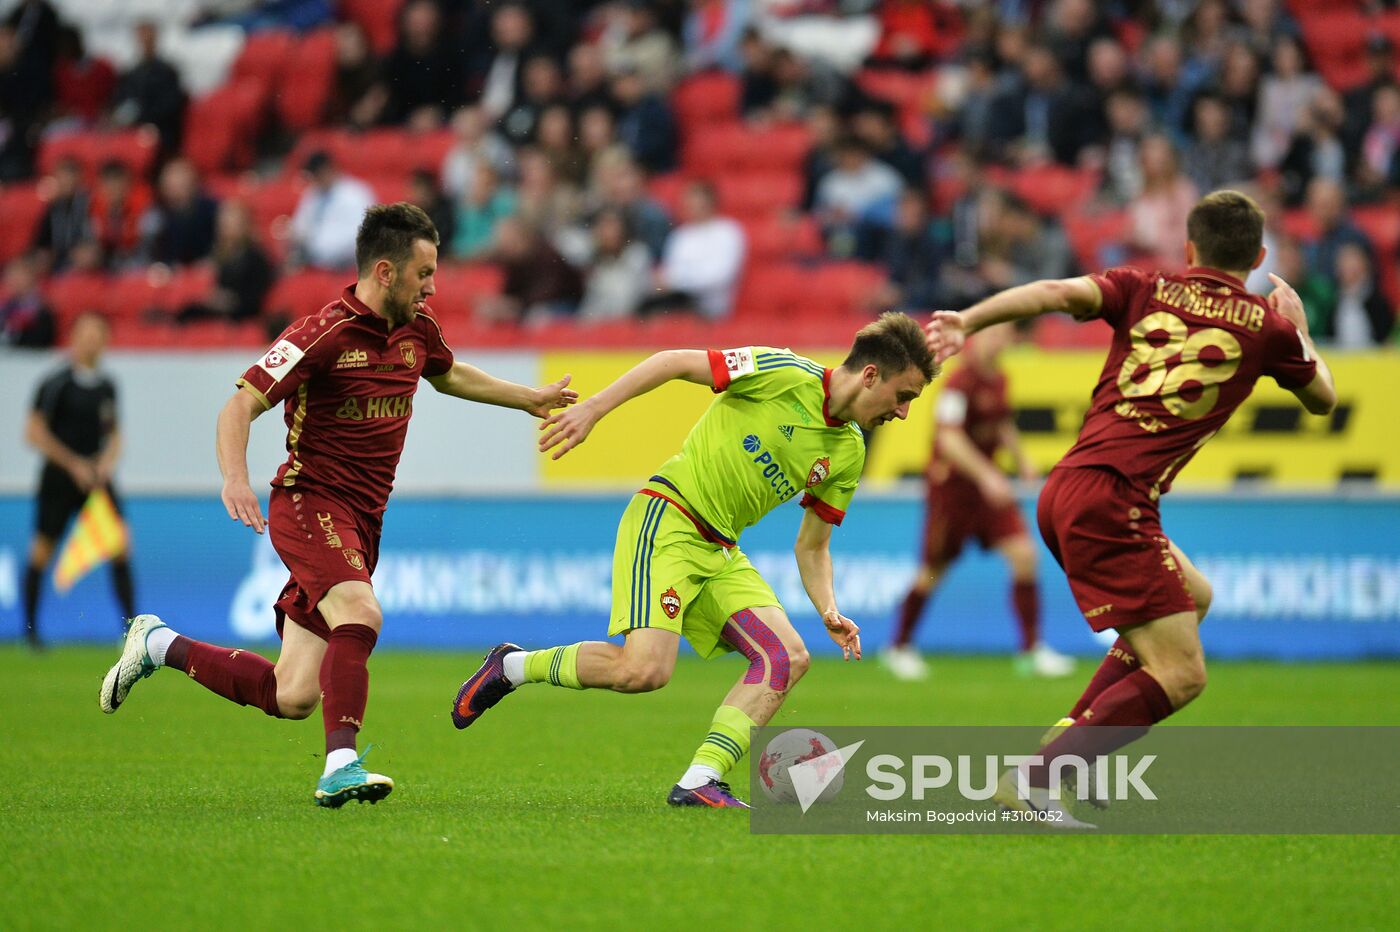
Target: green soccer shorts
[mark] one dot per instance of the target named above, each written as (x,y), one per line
(667,575)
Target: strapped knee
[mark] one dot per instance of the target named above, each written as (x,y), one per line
(767,656)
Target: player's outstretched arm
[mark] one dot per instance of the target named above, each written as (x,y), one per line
(231,448)
(471,383)
(1320,395)
(568,429)
(948,330)
(813,552)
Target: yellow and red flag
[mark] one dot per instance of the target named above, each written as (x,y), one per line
(98,536)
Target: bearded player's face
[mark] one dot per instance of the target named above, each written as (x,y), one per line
(412,284)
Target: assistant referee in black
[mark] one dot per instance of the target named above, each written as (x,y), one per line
(73,425)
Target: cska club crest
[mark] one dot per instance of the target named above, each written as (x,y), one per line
(353,557)
(410,355)
(820,470)
(671,603)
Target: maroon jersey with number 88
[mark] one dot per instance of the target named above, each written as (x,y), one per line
(1187,350)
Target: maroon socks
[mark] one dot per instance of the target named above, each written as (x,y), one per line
(238,675)
(345,683)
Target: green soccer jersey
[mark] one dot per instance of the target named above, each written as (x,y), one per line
(766,439)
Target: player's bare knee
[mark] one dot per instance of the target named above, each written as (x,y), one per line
(1191,679)
(1202,593)
(297,703)
(799,662)
(643,678)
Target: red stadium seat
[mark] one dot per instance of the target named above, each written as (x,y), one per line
(839,289)
(904,89)
(1336,39)
(722,147)
(774,238)
(308,77)
(376,153)
(263,56)
(220,127)
(188,285)
(1049,189)
(136,148)
(758,194)
(1089,232)
(770,291)
(666,190)
(709,97)
(378,18)
(21,207)
(1380,222)
(305,292)
(75,292)
(272,203)
(459,285)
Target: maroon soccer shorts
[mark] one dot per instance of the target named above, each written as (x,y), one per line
(1107,535)
(956,511)
(322,543)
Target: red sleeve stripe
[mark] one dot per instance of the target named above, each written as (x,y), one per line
(719,370)
(824,511)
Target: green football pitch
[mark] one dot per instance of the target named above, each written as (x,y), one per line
(185,811)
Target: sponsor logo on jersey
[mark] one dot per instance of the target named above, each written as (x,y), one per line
(772,471)
(671,603)
(752,444)
(280,359)
(327,523)
(821,469)
(379,407)
(802,413)
(739,361)
(352,556)
(352,359)
(786,431)
(384,367)
(349,410)
(410,355)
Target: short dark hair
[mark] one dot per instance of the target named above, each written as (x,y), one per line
(1227,228)
(893,343)
(389,232)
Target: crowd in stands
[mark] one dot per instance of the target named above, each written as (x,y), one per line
(603,161)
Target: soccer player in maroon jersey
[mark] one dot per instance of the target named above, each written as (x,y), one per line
(346,377)
(1186,352)
(969,496)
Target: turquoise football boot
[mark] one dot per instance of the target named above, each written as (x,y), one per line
(352,782)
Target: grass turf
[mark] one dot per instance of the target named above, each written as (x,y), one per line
(184,810)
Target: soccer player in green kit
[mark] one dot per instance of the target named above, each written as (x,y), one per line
(782,427)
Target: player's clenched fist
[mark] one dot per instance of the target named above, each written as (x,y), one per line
(243,505)
(1286,301)
(945,334)
(569,428)
(844,632)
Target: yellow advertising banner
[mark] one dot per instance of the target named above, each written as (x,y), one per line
(1270,439)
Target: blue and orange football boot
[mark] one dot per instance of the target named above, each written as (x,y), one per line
(484,688)
(714,795)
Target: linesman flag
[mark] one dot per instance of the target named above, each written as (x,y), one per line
(98,536)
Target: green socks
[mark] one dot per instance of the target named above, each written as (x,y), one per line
(557,666)
(727,741)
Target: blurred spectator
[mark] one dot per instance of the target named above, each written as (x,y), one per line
(1382,140)
(874,124)
(37,28)
(1317,291)
(824,126)
(712,33)
(67,219)
(1109,68)
(1216,158)
(913,257)
(1315,151)
(1157,216)
(635,41)
(179,227)
(597,134)
(1239,87)
(475,143)
(540,284)
(424,192)
(1043,116)
(243,273)
(971,107)
(621,185)
(422,74)
(358,93)
(588,78)
(619,273)
(478,211)
(1327,209)
(1206,36)
(543,200)
(1264,23)
(83,85)
(25,318)
(1169,89)
(542,86)
(117,209)
(1359,104)
(644,123)
(1127,125)
(1071,29)
(496,80)
(556,140)
(759,88)
(703,259)
(1363,317)
(150,92)
(855,200)
(1269,201)
(1019,247)
(328,215)
(912,33)
(20,108)
(1284,95)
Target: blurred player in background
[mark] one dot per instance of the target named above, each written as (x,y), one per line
(969,496)
(1186,352)
(73,425)
(782,427)
(347,375)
